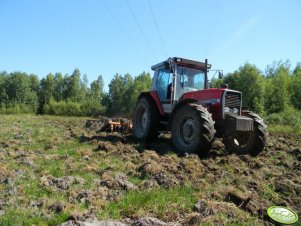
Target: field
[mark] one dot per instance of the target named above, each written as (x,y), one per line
(53,170)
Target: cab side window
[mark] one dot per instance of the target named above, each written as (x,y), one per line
(163,80)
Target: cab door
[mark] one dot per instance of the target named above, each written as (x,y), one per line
(163,87)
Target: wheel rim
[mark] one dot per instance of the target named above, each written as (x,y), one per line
(186,131)
(141,120)
(144,120)
(240,141)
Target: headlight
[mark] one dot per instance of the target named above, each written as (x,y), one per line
(226,109)
(230,110)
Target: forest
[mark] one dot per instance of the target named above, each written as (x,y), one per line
(274,93)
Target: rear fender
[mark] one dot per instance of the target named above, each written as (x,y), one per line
(153,95)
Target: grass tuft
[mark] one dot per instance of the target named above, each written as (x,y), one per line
(161,202)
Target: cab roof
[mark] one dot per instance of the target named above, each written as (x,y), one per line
(183,62)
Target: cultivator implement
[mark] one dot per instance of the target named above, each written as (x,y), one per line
(105,124)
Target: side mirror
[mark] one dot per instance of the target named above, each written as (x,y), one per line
(220,74)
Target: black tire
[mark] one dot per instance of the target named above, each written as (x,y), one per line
(247,142)
(192,129)
(146,120)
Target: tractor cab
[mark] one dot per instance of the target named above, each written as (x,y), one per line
(177,76)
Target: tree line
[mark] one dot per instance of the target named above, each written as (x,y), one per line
(275,90)
(69,95)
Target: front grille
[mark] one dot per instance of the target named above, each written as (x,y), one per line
(244,124)
(232,103)
(232,100)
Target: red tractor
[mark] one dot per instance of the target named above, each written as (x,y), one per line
(182,102)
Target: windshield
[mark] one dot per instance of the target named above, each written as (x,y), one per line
(188,80)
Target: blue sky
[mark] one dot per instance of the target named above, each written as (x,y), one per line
(120,36)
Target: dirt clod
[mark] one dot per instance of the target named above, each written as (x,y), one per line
(148,221)
(91,223)
(56,207)
(164,180)
(119,180)
(202,207)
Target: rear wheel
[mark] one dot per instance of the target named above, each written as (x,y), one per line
(192,129)
(247,142)
(145,120)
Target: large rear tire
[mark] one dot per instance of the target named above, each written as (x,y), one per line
(192,129)
(146,120)
(247,142)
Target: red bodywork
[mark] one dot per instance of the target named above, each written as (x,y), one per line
(209,98)
(156,98)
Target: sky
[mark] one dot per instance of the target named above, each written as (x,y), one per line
(105,37)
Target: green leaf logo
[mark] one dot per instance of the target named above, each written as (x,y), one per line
(282,215)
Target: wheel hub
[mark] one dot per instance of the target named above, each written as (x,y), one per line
(188,131)
(236,142)
(144,120)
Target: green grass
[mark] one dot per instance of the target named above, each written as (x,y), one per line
(33,189)
(287,122)
(158,201)
(55,168)
(14,217)
(269,192)
(284,129)
(135,180)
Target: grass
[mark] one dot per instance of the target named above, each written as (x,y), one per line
(284,129)
(288,121)
(27,217)
(33,189)
(162,203)
(135,180)
(269,193)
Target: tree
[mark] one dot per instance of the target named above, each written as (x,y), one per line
(277,97)
(296,87)
(216,83)
(19,92)
(59,87)
(97,88)
(250,81)
(74,89)
(84,84)
(34,83)
(101,84)
(142,82)
(47,89)
(3,86)
(118,99)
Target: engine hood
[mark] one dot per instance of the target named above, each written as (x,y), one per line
(206,94)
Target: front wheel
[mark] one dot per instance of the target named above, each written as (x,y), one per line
(192,129)
(247,142)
